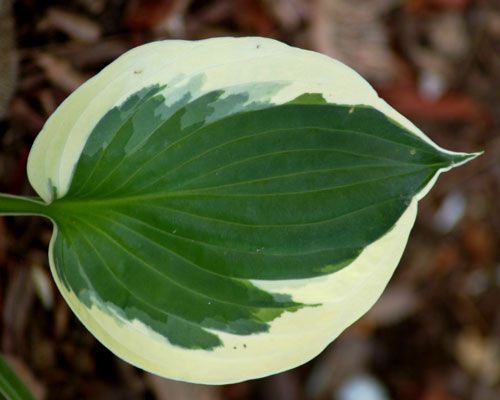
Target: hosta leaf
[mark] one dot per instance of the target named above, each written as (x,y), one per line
(225,208)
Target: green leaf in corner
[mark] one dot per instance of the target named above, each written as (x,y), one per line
(11,386)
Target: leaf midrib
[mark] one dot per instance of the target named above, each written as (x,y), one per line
(70,204)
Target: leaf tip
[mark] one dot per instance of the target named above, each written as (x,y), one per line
(457,159)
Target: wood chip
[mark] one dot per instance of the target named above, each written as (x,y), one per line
(8,61)
(17,309)
(43,286)
(352,32)
(479,355)
(60,72)
(74,25)
(348,355)
(289,13)
(166,389)
(396,304)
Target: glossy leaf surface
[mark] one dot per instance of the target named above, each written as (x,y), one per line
(171,230)
(213,217)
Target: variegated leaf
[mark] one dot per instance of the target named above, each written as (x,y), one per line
(223,209)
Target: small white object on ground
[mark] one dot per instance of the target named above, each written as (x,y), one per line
(363,387)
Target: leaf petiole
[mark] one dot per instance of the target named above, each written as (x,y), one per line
(20,205)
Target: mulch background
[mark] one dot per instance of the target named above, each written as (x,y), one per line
(434,334)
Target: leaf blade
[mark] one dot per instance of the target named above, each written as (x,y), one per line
(282,230)
(210,205)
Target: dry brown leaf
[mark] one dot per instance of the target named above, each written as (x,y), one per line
(61,318)
(74,25)
(444,45)
(97,54)
(42,282)
(60,72)
(448,34)
(348,355)
(446,258)
(478,355)
(396,304)
(47,101)
(22,113)
(19,299)
(166,389)
(253,18)
(146,14)
(288,13)
(452,107)
(479,242)
(352,32)
(174,22)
